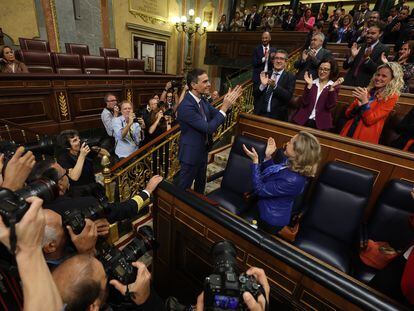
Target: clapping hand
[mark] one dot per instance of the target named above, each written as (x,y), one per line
(264,79)
(355,50)
(312,53)
(384,58)
(308,79)
(339,81)
(251,154)
(361,93)
(270,148)
(305,55)
(231,97)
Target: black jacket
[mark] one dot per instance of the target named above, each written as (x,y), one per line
(281,97)
(406,130)
(311,64)
(366,69)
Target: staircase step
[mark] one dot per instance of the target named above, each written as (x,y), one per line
(213,168)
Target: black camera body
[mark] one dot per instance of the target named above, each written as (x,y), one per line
(175,84)
(223,290)
(91,142)
(13,205)
(118,264)
(76,217)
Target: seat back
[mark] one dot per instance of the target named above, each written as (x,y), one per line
(93,64)
(37,62)
(115,66)
(34,45)
(135,66)
(338,201)
(390,220)
(108,52)
(67,63)
(237,175)
(77,48)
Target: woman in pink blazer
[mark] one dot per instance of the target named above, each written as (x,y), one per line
(319,97)
(306,21)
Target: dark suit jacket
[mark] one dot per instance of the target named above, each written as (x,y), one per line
(367,69)
(258,65)
(255,24)
(347,36)
(326,101)
(311,64)
(281,97)
(289,26)
(195,130)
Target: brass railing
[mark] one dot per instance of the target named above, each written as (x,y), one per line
(160,156)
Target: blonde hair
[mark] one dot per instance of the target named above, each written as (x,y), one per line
(396,83)
(126,102)
(307,154)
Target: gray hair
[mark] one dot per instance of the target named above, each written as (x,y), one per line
(321,36)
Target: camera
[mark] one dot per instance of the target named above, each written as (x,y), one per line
(223,290)
(75,217)
(13,205)
(91,142)
(44,146)
(175,84)
(118,264)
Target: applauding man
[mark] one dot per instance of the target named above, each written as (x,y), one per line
(198,121)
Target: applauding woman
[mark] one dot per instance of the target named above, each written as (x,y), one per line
(277,185)
(319,97)
(372,105)
(306,21)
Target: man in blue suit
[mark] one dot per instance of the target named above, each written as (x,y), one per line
(198,121)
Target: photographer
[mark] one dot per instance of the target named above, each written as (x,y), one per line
(127,130)
(160,121)
(39,290)
(251,303)
(169,94)
(81,281)
(77,159)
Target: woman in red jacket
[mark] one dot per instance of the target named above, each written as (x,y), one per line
(372,105)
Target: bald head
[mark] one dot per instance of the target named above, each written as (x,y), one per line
(54,239)
(81,282)
(266,38)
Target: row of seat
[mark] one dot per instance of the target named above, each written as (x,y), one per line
(38,58)
(62,63)
(333,211)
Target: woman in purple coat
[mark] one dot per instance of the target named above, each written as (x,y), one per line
(277,185)
(319,97)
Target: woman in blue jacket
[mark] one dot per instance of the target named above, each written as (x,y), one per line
(277,185)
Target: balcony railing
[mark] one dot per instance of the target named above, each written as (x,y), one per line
(160,156)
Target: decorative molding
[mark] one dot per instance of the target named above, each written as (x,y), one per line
(55,24)
(136,27)
(63,106)
(148,19)
(129,95)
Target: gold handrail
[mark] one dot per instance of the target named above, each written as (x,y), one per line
(162,157)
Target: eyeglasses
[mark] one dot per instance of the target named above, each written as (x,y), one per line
(324,69)
(279,58)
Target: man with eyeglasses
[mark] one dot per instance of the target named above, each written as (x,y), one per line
(276,89)
(110,111)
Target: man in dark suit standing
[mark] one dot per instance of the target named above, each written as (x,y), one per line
(311,57)
(276,89)
(262,58)
(198,121)
(252,20)
(364,59)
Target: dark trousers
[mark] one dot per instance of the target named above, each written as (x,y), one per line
(311,123)
(188,173)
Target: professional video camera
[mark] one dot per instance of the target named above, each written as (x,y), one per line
(223,290)
(13,205)
(44,146)
(118,264)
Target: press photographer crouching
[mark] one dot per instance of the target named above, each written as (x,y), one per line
(77,157)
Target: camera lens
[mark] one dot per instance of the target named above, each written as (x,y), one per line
(224,256)
(46,189)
